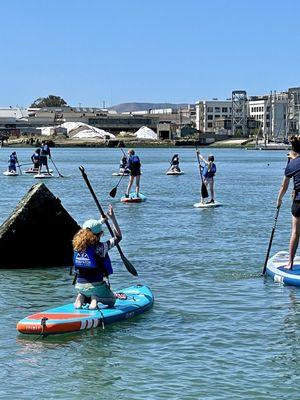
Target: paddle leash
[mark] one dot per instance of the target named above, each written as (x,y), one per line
(130,268)
(270,242)
(204,192)
(56,168)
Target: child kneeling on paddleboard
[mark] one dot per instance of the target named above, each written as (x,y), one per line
(92,263)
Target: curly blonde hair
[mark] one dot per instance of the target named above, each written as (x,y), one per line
(83,239)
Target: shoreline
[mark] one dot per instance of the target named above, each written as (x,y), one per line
(127,143)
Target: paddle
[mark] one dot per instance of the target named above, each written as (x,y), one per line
(56,168)
(204,192)
(270,242)
(113,192)
(28,163)
(127,263)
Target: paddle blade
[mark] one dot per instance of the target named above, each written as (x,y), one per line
(204,192)
(113,192)
(130,268)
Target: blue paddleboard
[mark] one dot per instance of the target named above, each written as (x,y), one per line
(131,301)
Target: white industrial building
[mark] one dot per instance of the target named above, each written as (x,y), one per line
(209,111)
(271,114)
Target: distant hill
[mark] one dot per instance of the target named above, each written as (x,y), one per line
(129,107)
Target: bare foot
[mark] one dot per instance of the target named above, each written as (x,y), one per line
(94,304)
(79,301)
(288,266)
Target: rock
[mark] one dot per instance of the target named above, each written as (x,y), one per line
(38,233)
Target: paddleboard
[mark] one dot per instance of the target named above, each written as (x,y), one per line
(120,174)
(43,176)
(133,198)
(132,301)
(10,173)
(207,205)
(174,173)
(275,269)
(35,171)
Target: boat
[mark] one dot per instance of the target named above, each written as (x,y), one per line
(207,205)
(133,198)
(10,173)
(131,301)
(43,176)
(174,172)
(35,171)
(275,269)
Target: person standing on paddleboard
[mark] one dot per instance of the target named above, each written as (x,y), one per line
(92,263)
(45,153)
(208,172)
(292,170)
(175,163)
(12,162)
(134,165)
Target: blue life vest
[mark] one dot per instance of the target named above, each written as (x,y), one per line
(12,159)
(209,174)
(134,163)
(45,151)
(87,260)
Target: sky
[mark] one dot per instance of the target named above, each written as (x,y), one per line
(95,52)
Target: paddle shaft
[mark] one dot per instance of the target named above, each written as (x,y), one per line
(56,168)
(84,175)
(270,242)
(204,192)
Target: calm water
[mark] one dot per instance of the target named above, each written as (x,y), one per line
(217,329)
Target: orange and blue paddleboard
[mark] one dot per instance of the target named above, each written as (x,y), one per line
(130,302)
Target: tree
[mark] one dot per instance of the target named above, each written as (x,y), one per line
(50,101)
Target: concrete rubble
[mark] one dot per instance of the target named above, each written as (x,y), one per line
(38,233)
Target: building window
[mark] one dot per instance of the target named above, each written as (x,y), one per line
(209,125)
(268,124)
(217,109)
(210,117)
(224,109)
(217,116)
(210,109)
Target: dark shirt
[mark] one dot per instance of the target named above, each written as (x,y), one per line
(292,170)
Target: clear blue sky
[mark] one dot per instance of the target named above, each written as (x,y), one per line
(155,51)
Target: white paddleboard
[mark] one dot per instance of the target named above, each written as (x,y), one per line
(10,173)
(35,171)
(43,176)
(175,173)
(207,205)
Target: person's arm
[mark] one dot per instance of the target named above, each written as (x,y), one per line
(283,188)
(202,158)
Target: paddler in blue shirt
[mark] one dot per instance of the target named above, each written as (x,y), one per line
(208,172)
(45,153)
(13,160)
(134,165)
(35,158)
(292,170)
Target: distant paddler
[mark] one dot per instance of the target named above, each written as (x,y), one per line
(292,170)
(175,163)
(44,154)
(208,171)
(12,162)
(35,158)
(123,164)
(134,165)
